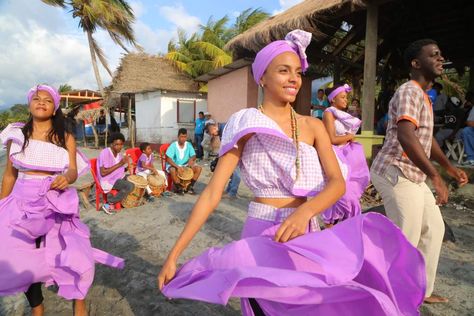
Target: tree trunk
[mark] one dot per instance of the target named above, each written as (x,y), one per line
(96,136)
(94,64)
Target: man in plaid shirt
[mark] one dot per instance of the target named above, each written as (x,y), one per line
(401,167)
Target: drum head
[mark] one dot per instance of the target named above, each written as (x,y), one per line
(137,181)
(156,180)
(187,174)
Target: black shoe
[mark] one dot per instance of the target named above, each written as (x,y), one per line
(191,190)
(179,191)
(150,199)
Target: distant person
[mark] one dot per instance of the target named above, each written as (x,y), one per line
(114,126)
(101,122)
(319,104)
(439,105)
(211,141)
(145,166)
(454,117)
(401,167)
(354,109)
(467,136)
(181,154)
(111,172)
(199,133)
(208,119)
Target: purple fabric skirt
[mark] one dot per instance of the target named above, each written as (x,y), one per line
(362,266)
(358,177)
(65,257)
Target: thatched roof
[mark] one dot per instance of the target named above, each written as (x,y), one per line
(301,16)
(140,72)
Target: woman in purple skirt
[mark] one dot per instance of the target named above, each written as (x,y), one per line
(42,238)
(284,265)
(341,128)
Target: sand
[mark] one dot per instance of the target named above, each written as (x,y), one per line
(144,235)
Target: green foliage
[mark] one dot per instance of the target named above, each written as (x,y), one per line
(203,52)
(17,113)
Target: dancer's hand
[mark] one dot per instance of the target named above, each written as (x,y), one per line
(167,273)
(458,174)
(441,189)
(59,183)
(295,225)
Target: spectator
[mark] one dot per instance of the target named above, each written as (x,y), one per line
(199,133)
(101,122)
(209,119)
(354,109)
(454,117)
(467,136)
(211,141)
(319,104)
(439,105)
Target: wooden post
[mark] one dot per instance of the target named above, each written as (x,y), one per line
(337,71)
(370,65)
(130,125)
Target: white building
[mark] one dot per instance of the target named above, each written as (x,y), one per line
(162,99)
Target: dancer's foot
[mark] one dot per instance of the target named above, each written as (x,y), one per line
(433,299)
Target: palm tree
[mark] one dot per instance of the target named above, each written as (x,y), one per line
(247,19)
(114,16)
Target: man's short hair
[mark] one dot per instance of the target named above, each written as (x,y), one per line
(321,90)
(413,50)
(437,86)
(144,145)
(182,131)
(116,136)
(201,113)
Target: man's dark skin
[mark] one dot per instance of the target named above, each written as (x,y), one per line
(116,147)
(424,69)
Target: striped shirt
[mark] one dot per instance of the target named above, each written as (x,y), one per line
(409,103)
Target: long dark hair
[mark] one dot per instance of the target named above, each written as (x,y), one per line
(57,134)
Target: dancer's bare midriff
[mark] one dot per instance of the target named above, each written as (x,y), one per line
(290,202)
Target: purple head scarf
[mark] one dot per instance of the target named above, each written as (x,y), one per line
(296,41)
(338,90)
(52,91)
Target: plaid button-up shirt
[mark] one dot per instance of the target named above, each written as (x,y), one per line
(410,103)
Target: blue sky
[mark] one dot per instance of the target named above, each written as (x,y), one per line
(42,44)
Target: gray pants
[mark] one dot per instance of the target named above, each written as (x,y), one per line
(123,187)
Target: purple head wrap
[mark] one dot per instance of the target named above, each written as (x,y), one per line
(52,91)
(296,41)
(338,90)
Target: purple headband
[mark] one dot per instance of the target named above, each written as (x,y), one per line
(52,91)
(296,41)
(344,88)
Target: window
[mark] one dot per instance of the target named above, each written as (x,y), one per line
(186,111)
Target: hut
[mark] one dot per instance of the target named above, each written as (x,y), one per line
(158,98)
(360,41)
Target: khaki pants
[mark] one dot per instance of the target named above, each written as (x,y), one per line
(412,207)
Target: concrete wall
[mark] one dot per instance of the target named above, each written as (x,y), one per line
(231,92)
(157,118)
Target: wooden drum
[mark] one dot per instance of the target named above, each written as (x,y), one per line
(135,198)
(185,177)
(157,184)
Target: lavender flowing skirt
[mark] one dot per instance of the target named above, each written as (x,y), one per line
(358,177)
(362,266)
(65,258)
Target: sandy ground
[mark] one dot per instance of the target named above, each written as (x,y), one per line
(144,235)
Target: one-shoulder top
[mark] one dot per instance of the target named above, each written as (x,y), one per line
(268,160)
(344,123)
(39,155)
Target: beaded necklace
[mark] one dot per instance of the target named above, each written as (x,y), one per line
(295,133)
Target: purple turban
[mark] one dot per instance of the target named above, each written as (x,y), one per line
(52,91)
(296,41)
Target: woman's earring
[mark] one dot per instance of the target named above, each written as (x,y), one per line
(261,85)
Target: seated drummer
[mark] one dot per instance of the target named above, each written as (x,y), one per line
(111,172)
(181,154)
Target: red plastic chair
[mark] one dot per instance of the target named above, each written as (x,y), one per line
(163,149)
(133,153)
(98,188)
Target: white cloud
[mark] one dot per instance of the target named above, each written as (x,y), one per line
(178,16)
(138,8)
(42,44)
(286,4)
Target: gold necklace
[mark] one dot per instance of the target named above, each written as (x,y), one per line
(294,136)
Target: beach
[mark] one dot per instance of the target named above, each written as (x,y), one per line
(144,235)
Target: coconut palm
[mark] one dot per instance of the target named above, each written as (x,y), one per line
(114,16)
(247,19)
